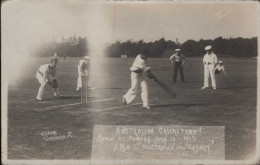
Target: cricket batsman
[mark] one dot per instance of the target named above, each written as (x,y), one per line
(83,68)
(138,68)
(46,74)
(209,61)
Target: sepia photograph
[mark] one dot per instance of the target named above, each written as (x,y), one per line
(129,82)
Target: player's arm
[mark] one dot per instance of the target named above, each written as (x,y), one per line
(224,71)
(82,70)
(215,60)
(150,75)
(204,60)
(46,75)
(183,59)
(171,59)
(54,73)
(148,71)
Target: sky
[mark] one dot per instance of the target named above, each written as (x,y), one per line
(140,20)
(185,21)
(26,25)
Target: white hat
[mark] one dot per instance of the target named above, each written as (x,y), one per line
(177,50)
(208,47)
(55,56)
(87,57)
(220,61)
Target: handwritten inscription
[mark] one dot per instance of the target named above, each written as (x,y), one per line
(158,142)
(54,136)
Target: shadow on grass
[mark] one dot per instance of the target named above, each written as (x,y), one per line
(174,105)
(112,88)
(65,97)
(237,88)
(69,97)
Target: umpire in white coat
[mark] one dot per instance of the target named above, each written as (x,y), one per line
(138,68)
(209,61)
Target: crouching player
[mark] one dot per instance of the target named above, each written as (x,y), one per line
(83,68)
(219,68)
(46,74)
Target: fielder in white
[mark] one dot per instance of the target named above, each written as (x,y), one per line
(139,66)
(209,61)
(219,68)
(46,74)
(83,68)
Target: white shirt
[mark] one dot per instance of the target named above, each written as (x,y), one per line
(140,63)
(220,68)
(210,59)
(47,72)
(175,57)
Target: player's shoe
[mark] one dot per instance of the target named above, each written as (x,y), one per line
(124,101)
(38,98)
(214,88)
(203,87)
(147,107)
(91,88)
(56,95)
(78,89)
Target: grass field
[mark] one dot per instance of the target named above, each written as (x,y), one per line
(232,105)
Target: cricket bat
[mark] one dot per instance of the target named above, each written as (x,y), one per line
(166,87)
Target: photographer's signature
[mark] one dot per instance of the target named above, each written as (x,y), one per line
(54,136)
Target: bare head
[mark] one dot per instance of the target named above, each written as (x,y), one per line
(53,62)
(144,54)
(86,59)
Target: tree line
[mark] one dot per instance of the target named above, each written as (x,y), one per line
(73,47)
(223,47)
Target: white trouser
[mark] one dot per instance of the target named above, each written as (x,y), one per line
(43,84)
(136,79)
(209,70)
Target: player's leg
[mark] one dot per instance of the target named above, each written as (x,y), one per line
(206,77)
(131,93)
(175,71)
(79,81)
(41,88)
(212,75)
(144,93)
(181,73)
(56,92)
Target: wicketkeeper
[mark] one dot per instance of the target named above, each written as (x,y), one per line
(139,66)
(83,68)
(46,74)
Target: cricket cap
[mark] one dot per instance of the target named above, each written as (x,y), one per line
(177,50)
(208,47)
